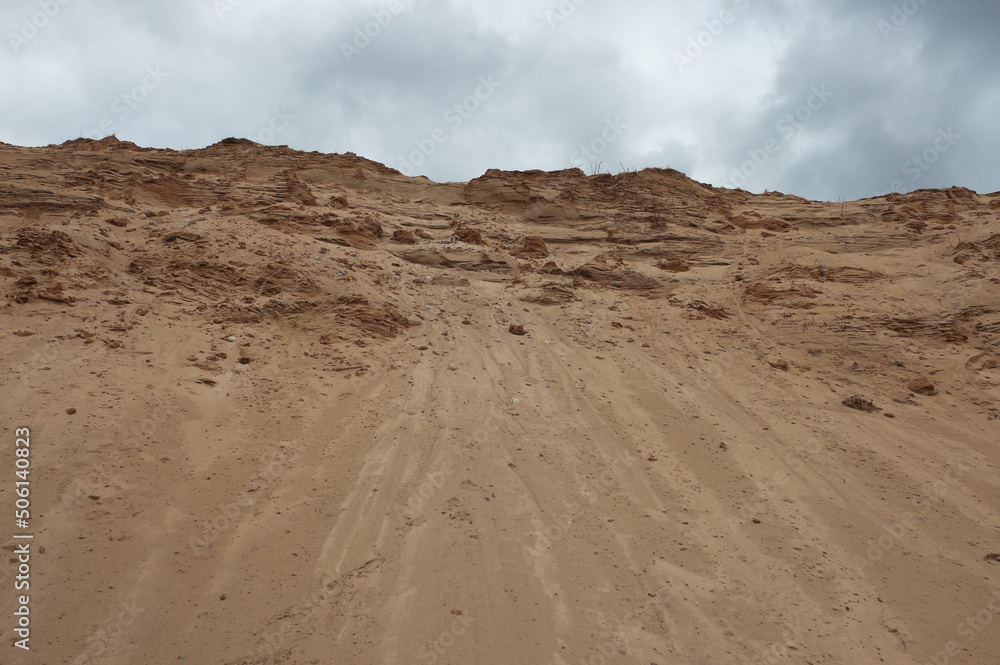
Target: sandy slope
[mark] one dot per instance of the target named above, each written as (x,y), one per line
(297,440)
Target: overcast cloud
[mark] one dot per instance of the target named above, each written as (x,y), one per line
(824,99)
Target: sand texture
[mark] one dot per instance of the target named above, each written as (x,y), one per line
(298,408)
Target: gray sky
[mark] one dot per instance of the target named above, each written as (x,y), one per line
(822,99)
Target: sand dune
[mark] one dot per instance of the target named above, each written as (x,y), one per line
(297,408)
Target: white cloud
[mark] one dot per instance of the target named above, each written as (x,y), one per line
(234,63)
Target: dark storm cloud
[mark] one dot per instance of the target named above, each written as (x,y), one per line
(910,85)
(822,99)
